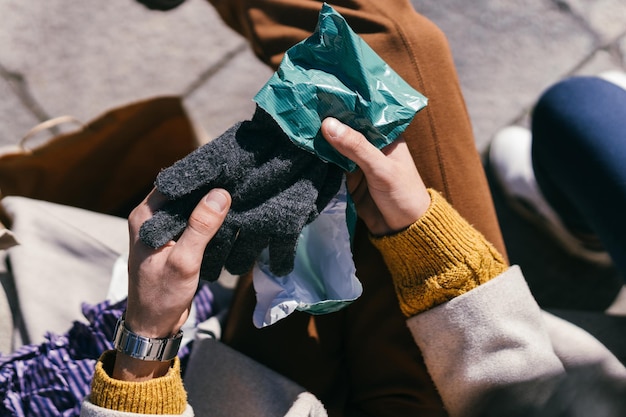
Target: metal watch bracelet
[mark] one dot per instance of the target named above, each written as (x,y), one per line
(145,348)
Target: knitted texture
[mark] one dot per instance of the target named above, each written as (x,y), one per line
(165,395)
(276,188)
(437,258)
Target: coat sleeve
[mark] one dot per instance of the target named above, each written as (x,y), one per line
(497,336)
(90,410)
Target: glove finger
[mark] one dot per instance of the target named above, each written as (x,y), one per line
(285,213)
(312,193)
(315,189)
(278,218)
(216,252)
(282,254)
(169,221)
(245,252)
(161,228)
(271,177)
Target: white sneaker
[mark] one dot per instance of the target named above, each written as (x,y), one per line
(511,165)
(616,77)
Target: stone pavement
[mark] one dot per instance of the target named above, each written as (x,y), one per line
(80,58)
(60,57)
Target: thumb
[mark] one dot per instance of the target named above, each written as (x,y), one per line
(352,144)
(204,222)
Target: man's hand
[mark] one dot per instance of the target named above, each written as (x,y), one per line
(387,190)
(162,282)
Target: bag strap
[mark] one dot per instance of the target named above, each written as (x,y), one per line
(48,124)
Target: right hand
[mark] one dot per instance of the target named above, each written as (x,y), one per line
(387,190)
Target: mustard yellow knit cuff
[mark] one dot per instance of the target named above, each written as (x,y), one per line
(164,395)
(437,258)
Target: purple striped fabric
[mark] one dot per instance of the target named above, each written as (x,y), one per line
(52,379)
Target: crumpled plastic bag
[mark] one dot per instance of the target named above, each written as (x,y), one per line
(335,73)
(331,73)
(324,276)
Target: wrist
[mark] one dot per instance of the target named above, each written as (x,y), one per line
(439,257)
(127,368)
(141,358)
(147,320)
(405,213)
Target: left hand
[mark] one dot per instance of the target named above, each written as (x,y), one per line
(387,190)
(163,282)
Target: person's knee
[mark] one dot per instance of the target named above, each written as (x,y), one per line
(572,101)
(557,103)
(563,109)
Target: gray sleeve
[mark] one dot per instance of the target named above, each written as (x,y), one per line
(577,348)
(490,337)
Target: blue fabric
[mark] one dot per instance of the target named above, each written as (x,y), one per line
(579,158)
(53,378)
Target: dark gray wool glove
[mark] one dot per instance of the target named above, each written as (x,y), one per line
(277,188)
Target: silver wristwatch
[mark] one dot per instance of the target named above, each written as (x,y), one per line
(145,348)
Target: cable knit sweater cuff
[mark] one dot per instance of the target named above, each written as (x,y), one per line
(437,258)
(165,395)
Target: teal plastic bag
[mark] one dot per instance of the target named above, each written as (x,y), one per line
(331,73)
(335,73)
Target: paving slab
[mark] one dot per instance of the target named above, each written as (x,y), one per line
(15,118)
(620,49)
(94,55)
(507,53)
(606,18)
(226,97)
(85,58)
(601,61)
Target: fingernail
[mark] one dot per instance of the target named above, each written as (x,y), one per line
(335,128)
(217,200)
